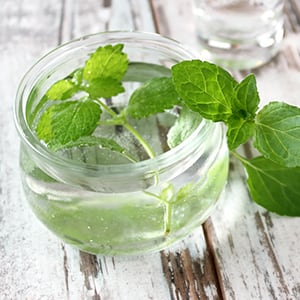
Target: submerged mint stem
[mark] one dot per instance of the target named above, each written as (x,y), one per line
(167,213)
(142,141)
(135,133)
(239,157)
(167,220)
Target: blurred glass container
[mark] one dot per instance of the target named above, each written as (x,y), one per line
(239,34)
(103,206)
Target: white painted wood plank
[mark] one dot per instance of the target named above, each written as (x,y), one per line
(89,17)
(257,252)
(176,20)
(30,257)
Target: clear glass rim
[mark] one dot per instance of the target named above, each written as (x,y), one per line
(160,161)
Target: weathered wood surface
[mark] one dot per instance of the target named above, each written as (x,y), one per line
(242,252)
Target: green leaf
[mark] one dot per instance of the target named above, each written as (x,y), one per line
(183,127)
(239,132)
(61,90)
(145,71)
(205,88)
(104,87)
(273,186)
(154,96)
(277,134)
(107,61)
(185,192)
(67,121)
(76,76)
(246,99)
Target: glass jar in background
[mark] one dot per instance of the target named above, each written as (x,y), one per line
(93,199)
(239,34)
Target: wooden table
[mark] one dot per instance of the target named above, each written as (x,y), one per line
(242,252)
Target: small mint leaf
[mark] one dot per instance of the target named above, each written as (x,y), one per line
(154,96)
(68,121)
(277,133)
(205,88)
(77,76)
(183,127)
(104,87)
(107,61)
(61,90)
(239,132)
(247,99)
(273,186)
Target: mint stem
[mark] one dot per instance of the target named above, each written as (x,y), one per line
(141,140)
(239,157)
(167,214)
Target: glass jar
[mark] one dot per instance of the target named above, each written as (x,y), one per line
(107,206)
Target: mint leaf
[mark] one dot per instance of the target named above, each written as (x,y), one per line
(154,96)
(239,132)
(61,90)
(246,100)
(145,71)
(76,76)
(104,87)
(277,134)
(273,186)
(205,88)
(67,121)
(108,61)
(183,127)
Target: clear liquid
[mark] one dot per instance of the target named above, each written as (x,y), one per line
(129,220)
(126,222)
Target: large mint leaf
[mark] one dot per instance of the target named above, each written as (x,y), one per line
(152,97)
(277,134)
(239,132)
(273,186)
(205,88)
(104,87)
(67,121)
(184,126)
(245,103)
(107,61)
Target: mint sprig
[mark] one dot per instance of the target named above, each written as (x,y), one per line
(273,179)
(66,120)
(72,108)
